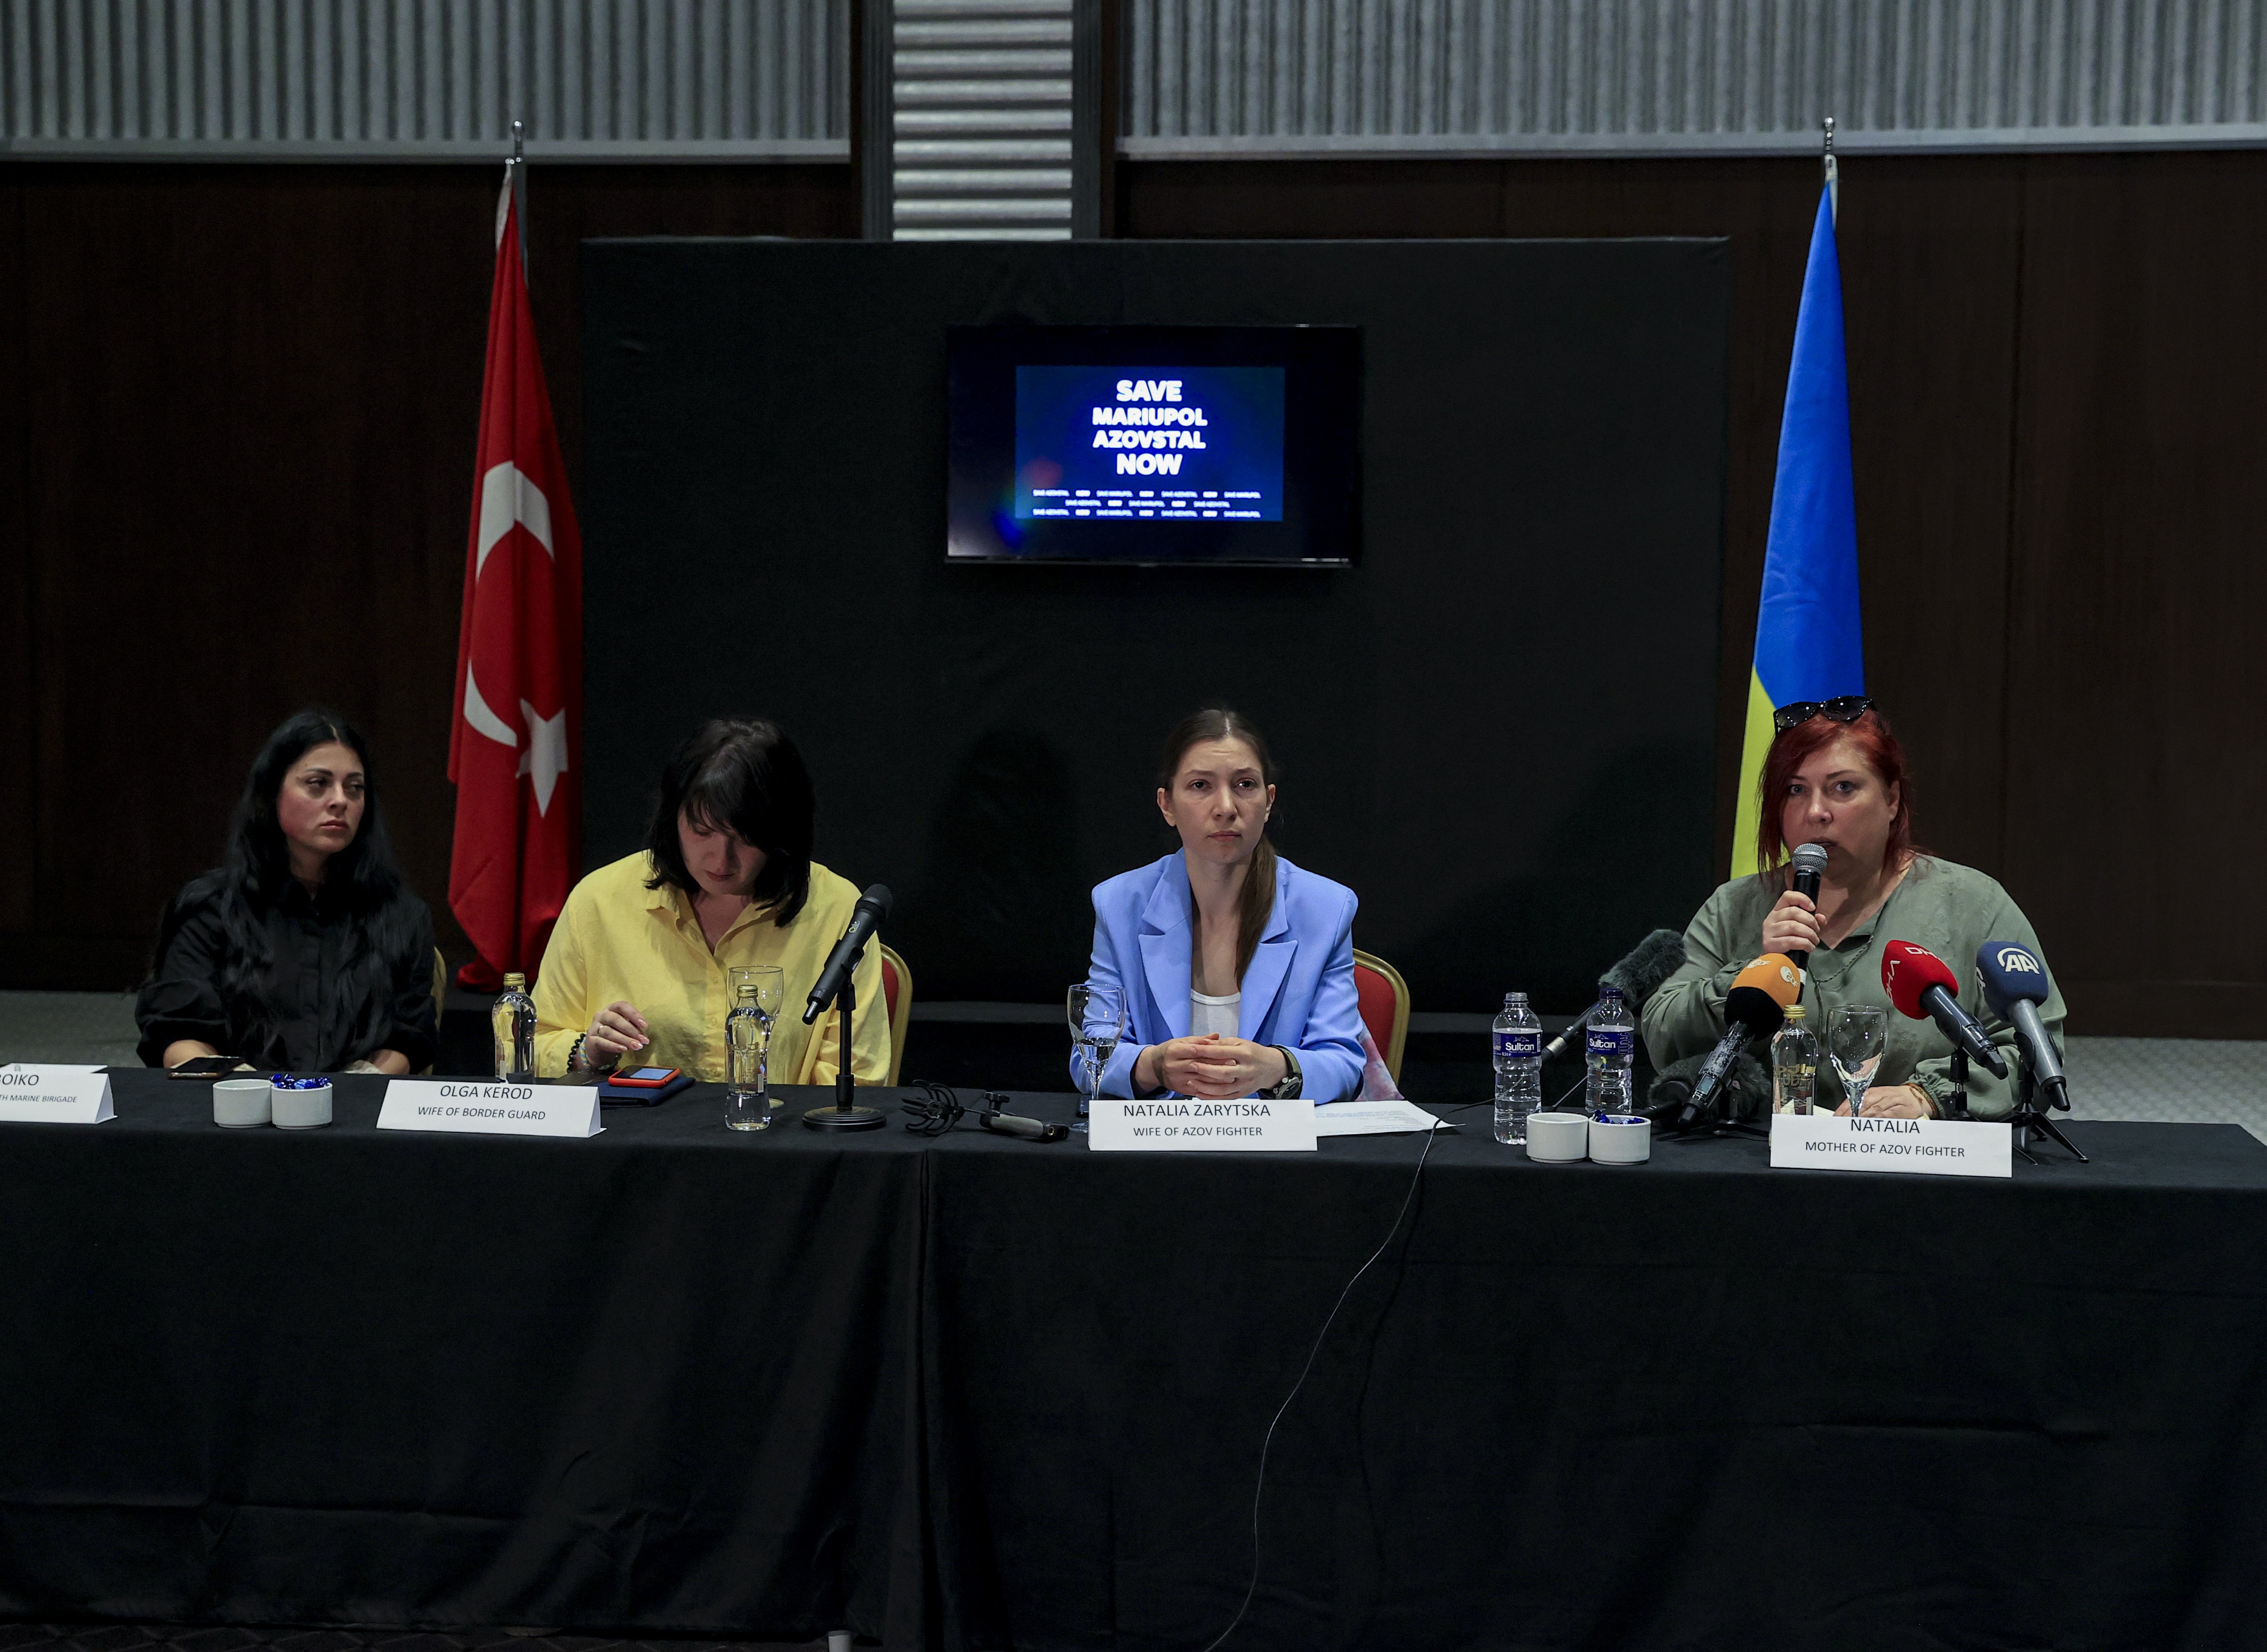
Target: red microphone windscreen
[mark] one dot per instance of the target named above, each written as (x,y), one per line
(1909,971)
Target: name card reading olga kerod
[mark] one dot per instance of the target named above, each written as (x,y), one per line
(468,1107)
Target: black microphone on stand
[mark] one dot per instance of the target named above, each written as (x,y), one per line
(872,912)
(836,985)
(1809,866)
(1637,977)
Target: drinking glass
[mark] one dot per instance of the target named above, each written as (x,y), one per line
(1854,1043)
(1098,1021)
(748,1104)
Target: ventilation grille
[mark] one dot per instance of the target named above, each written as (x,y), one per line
(1256,77)
(345,79)
(981,120)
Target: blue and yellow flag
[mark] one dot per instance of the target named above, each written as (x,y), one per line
(1809,644)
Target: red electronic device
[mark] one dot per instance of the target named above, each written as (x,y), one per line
(644,1078)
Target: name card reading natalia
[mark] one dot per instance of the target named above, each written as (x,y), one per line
(470,1107)
(1912,1147)
(31,1094)
(1178,1124)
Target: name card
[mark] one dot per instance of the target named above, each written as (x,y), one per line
(33,1094)
(471,1106)
(1912,1147)
(1176,1124)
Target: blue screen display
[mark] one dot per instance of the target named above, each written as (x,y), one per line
(1162,443)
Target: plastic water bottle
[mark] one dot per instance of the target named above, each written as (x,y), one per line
(1794,1064)
(1611,1044)
(1518,1068)
(513,1021)
(747,1044)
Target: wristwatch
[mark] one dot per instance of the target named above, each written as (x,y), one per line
(1291,1082)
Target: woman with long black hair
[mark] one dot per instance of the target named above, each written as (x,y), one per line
(304,949)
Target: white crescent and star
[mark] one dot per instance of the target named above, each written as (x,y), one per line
(510,498)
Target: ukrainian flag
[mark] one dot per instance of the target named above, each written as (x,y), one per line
(1809,644)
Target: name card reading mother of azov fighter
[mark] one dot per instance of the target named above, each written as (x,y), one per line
(1181,1124)
(467,1107)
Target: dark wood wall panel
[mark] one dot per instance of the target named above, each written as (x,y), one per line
(2139,589)
(244,401)
(18,630)
(2053,367)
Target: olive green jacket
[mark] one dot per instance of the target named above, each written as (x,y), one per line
(1951,910)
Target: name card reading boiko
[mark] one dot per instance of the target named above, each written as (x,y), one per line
(53,1094)
(1912,1147)
(1180,1124)
(474,1107)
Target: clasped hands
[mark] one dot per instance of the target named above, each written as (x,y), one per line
(1211,1068)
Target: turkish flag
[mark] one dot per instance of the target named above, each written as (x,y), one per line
(515,748)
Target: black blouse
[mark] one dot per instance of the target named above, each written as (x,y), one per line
(308,938)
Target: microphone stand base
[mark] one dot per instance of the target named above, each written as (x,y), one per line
(831,1116)
(1714,1130)
(2025,1119)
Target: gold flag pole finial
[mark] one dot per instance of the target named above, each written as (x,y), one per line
(1833,175)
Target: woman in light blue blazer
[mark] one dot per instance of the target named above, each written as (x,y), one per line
(1236,967)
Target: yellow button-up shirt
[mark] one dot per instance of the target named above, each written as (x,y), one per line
(617,940)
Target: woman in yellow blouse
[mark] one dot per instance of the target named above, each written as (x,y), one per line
(638,960)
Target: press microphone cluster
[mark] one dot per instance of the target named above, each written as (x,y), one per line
(1636,977)
(2014,986)
(1753,1009)
(872,912)
(1923,986)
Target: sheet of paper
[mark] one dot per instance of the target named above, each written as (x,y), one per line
(1374,1117)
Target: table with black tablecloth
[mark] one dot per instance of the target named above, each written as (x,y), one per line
(980,1392)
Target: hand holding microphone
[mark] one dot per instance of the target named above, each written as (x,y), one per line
(1792,925)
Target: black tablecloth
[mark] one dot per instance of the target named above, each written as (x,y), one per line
(982,1394)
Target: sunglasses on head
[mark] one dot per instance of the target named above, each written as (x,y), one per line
(1846,708)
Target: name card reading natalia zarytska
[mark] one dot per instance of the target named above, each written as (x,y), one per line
(31,1094)
(1177,1124)
(467,1107)
(1912,1147)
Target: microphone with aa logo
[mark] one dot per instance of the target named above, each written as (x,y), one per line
(1923,986)
(2014,986)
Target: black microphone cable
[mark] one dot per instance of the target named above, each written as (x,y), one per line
(1268,1442)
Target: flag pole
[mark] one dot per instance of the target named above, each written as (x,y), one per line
(516,169)
(1833,176)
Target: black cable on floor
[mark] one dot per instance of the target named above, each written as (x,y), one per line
(1259,1488)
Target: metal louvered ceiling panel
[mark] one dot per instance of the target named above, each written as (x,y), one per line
(1639,76)
(425,79)
(981,120)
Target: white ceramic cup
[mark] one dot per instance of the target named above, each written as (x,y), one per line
(240,1103)
(303,1109)
(1558,1138)
(1621,1138)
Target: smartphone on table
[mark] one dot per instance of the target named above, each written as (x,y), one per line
(208,1067)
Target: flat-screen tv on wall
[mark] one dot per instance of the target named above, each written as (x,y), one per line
(1236,445)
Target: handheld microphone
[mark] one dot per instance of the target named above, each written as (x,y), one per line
(1923,986)
(2014,986)
(1639,976)
(1810,864)
(873,909)
(1753,1010)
